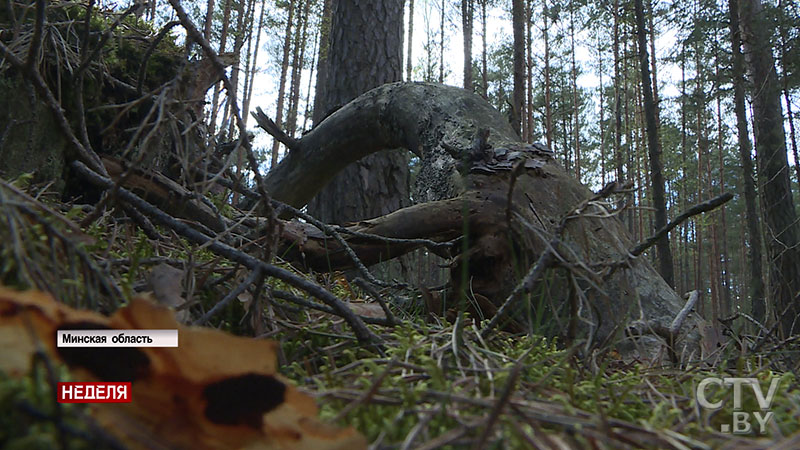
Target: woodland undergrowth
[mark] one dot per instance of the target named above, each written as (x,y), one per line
(433,382)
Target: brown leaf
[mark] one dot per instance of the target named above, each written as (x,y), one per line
(214,391)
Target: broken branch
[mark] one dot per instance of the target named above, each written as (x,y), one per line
(364,334)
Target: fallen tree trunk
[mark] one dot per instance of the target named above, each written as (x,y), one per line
(507,200)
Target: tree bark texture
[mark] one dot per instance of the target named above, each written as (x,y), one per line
(364,51)
(467,10)
(659,197)
(518,99)
(773,167)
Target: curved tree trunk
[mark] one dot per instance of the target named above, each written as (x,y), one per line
(503,239)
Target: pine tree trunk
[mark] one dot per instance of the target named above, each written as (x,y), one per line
(773,167)
(528,135)
(238,43)
(322,61)
(653,147)
(518,99)
(409,60)
(787,98)
(575,100)
(724,274)
(484,68)
(365,51)
(441,44)
(700,145)
(297,70)
(309,90)
(253,69)
(617,97)
(602,115)
(467,7)
(287,40)
(223,40)
(548,110)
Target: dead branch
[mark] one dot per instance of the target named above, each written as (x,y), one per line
(92,57)
(650,241)
(289,297)
(364,334)
(272,220)
(693,211)
(687,308)
(273,129)
(253,278)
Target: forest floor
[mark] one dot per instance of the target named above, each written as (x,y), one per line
(432,384)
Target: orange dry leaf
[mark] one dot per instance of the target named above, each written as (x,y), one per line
(214,391)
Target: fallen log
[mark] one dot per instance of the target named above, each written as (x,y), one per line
(468,151)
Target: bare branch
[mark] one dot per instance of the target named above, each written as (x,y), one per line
(274,130)
(364,334)
(693,211)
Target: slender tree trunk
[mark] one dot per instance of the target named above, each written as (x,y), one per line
(627,60)
(687,226)
(484,68)
(297,70)
(575,95)
(409,59)
(653,66)
(527,121)
(467,9)
(322,61)
(602,113)
(548,109)
(441,44)
(773,167)
(701,144)
(287,42)
(617,98)
(725,277)
(223,40)
(308,111)
(254,66)
(659,198)
(238,43)
(787,98)
(518,18)
(209,19)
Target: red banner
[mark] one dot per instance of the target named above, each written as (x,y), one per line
(97,392)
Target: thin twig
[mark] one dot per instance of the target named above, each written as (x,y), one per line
(329,230)
(274,130)
(289,297)
(693,211)
(364,334)
(36,42)
(544,262)
(374,294)
(254,277)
